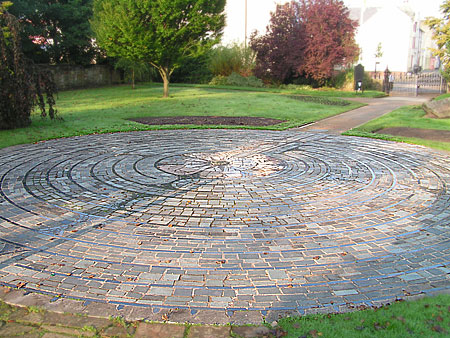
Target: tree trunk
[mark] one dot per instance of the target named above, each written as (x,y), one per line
(165,75)
(166,87)
(133,86)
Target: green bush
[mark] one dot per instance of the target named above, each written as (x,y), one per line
(345,80)
(237,80)
(253,81)
(235,58)
(218,80)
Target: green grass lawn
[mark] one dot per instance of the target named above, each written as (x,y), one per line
(293,89)
(427,317)
(409,116)
(105,110)
(443,96)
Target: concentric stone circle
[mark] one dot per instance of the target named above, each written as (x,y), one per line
(225,220)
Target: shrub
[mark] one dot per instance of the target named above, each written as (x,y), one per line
(234,58)
(218,80)
(238,80)
(345,80)
(253,81)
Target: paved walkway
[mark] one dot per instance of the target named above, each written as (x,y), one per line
(219,226)
(374,109)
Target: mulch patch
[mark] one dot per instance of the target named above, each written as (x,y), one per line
(209,120)
(427,134)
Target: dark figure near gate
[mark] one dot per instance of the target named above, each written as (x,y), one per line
(391,82)
(386,82)
(359,77)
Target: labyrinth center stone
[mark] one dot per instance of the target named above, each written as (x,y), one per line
(220,165)
(225,220)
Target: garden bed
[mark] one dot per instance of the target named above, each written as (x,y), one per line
(427,134)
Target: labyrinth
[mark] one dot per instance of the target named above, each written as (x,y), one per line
(225,220)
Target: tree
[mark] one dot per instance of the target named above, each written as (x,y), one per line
(162,33)
(378,55)
(330,41)
(280,51)
(307,38)
(441,28)
(22,84)
(379,51)
(56,31)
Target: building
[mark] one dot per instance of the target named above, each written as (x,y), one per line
(405,40)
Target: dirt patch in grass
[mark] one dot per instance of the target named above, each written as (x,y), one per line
(209,120)
(427,134)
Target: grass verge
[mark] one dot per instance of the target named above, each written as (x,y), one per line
(298,90)
(106,110)
(441,97)
(427,317)
(408,116)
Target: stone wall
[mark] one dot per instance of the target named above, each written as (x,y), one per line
(74,77)
(439,109)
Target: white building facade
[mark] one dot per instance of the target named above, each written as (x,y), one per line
(405,39)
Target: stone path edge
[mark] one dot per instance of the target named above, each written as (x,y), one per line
(23,297)
(37,317)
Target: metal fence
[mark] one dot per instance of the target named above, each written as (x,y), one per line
(417,84)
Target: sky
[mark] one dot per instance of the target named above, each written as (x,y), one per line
(259,14)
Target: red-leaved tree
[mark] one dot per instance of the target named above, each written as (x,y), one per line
(281,48)
(305,38)
(329,38)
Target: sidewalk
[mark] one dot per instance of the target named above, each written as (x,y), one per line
(354,118)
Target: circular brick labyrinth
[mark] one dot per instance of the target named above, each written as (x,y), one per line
(225,220)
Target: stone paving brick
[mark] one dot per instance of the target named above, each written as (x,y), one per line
(54,335)
(209,331)
(230,220)
(67,331)
(116,331)
(16,329)
(250,331)
(145,330)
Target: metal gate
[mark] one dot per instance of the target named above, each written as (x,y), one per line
(417,84)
